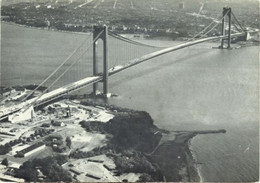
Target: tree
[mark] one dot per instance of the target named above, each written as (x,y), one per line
(49,167)
(27,172)
(5,148)
(145,178)
(5,162)
(61,159)
(68,142)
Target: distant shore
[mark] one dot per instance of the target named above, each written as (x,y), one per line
(136,36)
(43,28)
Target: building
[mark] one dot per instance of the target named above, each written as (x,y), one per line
(181,5)
(5,18)
(17,148)
(8,178)
(22,115)
(31,149)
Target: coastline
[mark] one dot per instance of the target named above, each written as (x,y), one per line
(172,154)
(176,157)
(139,36)
(197,166)
(187,169)
(44,29)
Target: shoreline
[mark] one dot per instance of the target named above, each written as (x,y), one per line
(44,28)
(178,152)
(196,164)
(187,169)
(139,36)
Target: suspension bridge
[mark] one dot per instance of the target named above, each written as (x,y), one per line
(227,22)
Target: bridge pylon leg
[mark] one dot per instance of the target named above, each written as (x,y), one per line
(223,28)
(100,33)
(229,28)
(226,12)
(95,66)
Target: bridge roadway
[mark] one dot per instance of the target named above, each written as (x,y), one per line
(47,97)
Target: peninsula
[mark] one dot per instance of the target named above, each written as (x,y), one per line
(77,138)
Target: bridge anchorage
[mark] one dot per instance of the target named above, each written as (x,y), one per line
(100,33)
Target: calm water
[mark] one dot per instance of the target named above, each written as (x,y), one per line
(191,89)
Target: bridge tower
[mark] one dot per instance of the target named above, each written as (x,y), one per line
(226,12)
(100,33)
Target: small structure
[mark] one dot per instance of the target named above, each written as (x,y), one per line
(94,175)
(109,166)
(14,165)
(75,171)
(41,176)
(46,125)
(95,160)
(181,5)
(58,123)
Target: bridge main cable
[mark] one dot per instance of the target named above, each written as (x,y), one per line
(160,52)
(238,22)
(200,33)
(90,80)
(122,38)
(136,61)
(60,76)
(93,79)
(217,23)
(73,63)
(168,50)
(63,63)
